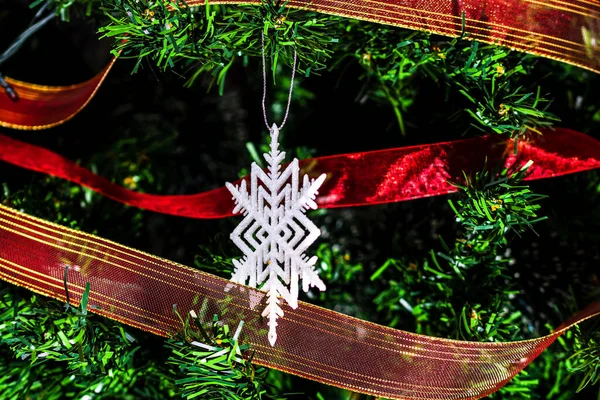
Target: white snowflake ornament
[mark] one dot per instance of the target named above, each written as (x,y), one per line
(275,232)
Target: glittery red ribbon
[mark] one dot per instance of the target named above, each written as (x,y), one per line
(355,179)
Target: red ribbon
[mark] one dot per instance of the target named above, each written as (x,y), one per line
(140,290)
(42,107)
(355,179)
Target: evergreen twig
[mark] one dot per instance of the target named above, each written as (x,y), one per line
(213,364)
(59,353)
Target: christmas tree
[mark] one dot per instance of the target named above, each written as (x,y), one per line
(485,253)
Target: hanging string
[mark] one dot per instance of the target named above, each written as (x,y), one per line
(287,110)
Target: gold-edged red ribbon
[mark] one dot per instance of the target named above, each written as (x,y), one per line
(568,31)
(41,107)
(140,290)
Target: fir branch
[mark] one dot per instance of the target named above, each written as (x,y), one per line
(467,290)
(61,352)
(489,77)
(163,31)
(47,334)
(392,58)
(586,360)
(435,292)
(210,39)
(493,205)
(212,364)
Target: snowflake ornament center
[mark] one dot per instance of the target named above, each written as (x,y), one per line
(275,232)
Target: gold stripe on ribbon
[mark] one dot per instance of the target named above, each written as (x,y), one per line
(140,290)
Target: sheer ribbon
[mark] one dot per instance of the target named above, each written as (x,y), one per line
(141,290)
(355,179)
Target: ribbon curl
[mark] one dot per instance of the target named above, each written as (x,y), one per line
(41,107)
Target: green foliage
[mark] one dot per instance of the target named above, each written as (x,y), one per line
(393,60)
(571,362)
(494,205)
(44,337)
(48,199)
(57,352)
(435,291)
(211,364)
(547,376)
(67,204)
(490,77)
(467,292)
(210,38)
(128,161)
(586,359)
(340,271)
